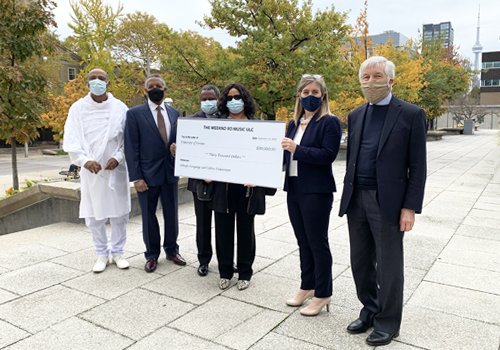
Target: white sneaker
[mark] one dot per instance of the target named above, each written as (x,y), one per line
(100,264)
(121,262)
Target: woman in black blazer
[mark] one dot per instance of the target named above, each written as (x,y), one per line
(311,145)
(236,204)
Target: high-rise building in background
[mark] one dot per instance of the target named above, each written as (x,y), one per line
(477,49)
(442,31)
(398,39)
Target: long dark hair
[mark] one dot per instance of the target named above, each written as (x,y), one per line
(245,95)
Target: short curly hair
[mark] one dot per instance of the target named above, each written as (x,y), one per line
(245,95)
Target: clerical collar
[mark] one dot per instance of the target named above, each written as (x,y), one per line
(385,101)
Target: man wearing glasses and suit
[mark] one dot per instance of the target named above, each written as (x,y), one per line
(150,131)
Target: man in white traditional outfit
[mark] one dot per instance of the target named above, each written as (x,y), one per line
(93,137)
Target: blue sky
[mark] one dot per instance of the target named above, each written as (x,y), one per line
(404,16)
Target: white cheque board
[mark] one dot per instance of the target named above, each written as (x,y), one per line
(226,150)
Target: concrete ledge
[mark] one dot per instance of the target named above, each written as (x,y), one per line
(53,202)
(61,189)
(452,131)
(435,135)
(21,200)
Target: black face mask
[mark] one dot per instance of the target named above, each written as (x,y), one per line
(156,95)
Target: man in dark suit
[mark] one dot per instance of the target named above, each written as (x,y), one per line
(150,131)
(383,189)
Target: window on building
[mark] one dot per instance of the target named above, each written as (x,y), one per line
(445,25)
(490,82)
(71,73)
(494,64)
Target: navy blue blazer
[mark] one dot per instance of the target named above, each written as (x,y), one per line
(401,163)
(315,154)
(147,157)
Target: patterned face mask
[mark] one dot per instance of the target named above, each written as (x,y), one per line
(375,91)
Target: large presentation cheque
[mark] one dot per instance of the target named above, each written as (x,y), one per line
(236,151)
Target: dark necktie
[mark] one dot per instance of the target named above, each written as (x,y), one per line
(161,126)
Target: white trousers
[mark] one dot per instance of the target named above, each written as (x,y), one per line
(118,235)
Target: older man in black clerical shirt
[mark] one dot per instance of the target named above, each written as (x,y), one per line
(383,189)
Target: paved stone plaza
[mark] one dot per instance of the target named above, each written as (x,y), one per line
(50,299)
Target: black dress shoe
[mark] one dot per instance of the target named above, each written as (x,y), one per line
(177,259)
(203,270)
(358,326)
(235,268)
(378,338)
(151,265)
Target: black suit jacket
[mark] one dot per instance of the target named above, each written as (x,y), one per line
(193,183)
(315,154)
(147,157)
(401,163)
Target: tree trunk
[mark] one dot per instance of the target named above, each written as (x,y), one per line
(430,124)
(15,179)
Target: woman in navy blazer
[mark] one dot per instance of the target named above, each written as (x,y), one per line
(311,145)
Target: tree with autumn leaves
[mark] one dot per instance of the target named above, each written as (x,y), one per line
(97,34)
(278,41)
(410,70)
(446,78)
(24,80)
(191,61)
(427,74)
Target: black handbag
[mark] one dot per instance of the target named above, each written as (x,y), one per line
(204,191)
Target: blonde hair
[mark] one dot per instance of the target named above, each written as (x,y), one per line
(324,108)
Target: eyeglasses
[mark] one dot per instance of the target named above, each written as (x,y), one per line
(236,97)
(315,76)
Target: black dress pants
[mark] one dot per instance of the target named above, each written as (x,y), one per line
(376,262)
(203,230)
(148,201)
(224,238)
(310,216)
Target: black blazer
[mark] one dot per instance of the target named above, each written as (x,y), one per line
(193,183)
(315,154)
(146,154)
(401,163)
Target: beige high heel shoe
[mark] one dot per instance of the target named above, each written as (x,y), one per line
(315,306)
(301,296)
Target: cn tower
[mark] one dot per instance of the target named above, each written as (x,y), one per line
(477,49)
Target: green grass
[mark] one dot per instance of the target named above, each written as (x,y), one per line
(60,152)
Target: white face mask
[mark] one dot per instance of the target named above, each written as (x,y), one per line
(375,91)
(97,87)
(209,107)
(235,106)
